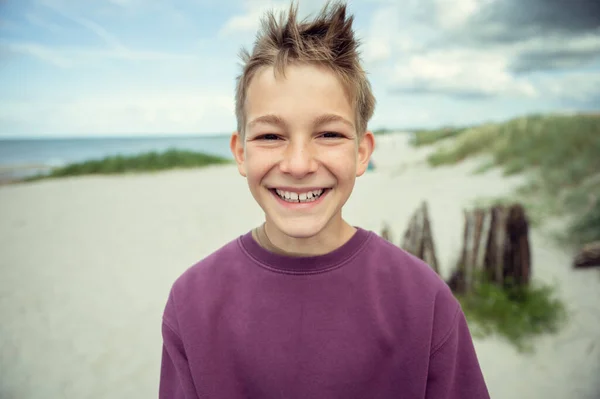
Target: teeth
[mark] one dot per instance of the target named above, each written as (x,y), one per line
(299,197)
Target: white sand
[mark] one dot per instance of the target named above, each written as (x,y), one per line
(86,265)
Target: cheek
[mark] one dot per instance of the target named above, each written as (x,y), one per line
(341,161)
(258,165)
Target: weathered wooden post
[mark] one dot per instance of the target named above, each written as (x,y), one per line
(497,244)
(519,256)
(495,247)
(588,256)
(386,233)
(476,229)
(418,238)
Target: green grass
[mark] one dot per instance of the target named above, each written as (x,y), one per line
(147,162)
(515,314)
(558,152)
(427,137)
(383,131)
(586,223)
(564,148)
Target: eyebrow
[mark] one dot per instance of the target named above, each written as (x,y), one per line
(272,119)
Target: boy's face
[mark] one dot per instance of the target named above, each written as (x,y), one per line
(301,153)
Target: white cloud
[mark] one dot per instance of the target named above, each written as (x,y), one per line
(118,113)
(578,87)
(451,14)
(430,47)
(378,44)
(584,43)
(460,72)
(68,57)
(110,39)
(249,22)
(37,21)
(241,23)
(40,52)
(98,30)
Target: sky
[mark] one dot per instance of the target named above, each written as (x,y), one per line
(160,67)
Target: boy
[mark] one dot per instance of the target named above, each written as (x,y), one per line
(306,305)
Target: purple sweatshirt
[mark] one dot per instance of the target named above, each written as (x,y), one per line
(366,321)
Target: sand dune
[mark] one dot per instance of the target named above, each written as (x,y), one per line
(86,265)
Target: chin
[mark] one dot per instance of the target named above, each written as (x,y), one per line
(298,228)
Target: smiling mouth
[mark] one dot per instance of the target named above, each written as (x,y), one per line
(299,197)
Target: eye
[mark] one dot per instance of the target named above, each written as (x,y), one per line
(268,137)
(331,135)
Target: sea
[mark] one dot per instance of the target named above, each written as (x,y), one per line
(25,157)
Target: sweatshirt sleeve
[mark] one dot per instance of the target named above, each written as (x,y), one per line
(176,380)
(454,371)
(175,376)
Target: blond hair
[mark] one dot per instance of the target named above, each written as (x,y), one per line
(328,41)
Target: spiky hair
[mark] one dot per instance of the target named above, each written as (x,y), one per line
(327,40)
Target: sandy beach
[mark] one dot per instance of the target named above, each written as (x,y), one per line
(86,265)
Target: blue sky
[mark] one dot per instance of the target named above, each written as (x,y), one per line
(128,67)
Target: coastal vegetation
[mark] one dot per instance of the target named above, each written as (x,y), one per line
(383,131)
(516,313)
(427,137)
(145,162)
(492,276)
(558,154)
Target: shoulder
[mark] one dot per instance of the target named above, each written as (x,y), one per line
(210,266)
(402,266)
(206,275)
(417,285)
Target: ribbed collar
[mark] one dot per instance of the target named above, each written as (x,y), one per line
(306,264)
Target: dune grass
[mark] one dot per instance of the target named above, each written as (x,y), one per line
(146,162)
(382,131)
(427,137)
(517,314)
(559,153)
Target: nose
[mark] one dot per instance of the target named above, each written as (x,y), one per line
(298,159)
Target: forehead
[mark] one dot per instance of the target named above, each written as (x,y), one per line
(303,94)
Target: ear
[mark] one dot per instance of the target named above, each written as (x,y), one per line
(236,145)
(366,146)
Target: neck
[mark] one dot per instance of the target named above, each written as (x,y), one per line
(330,238)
